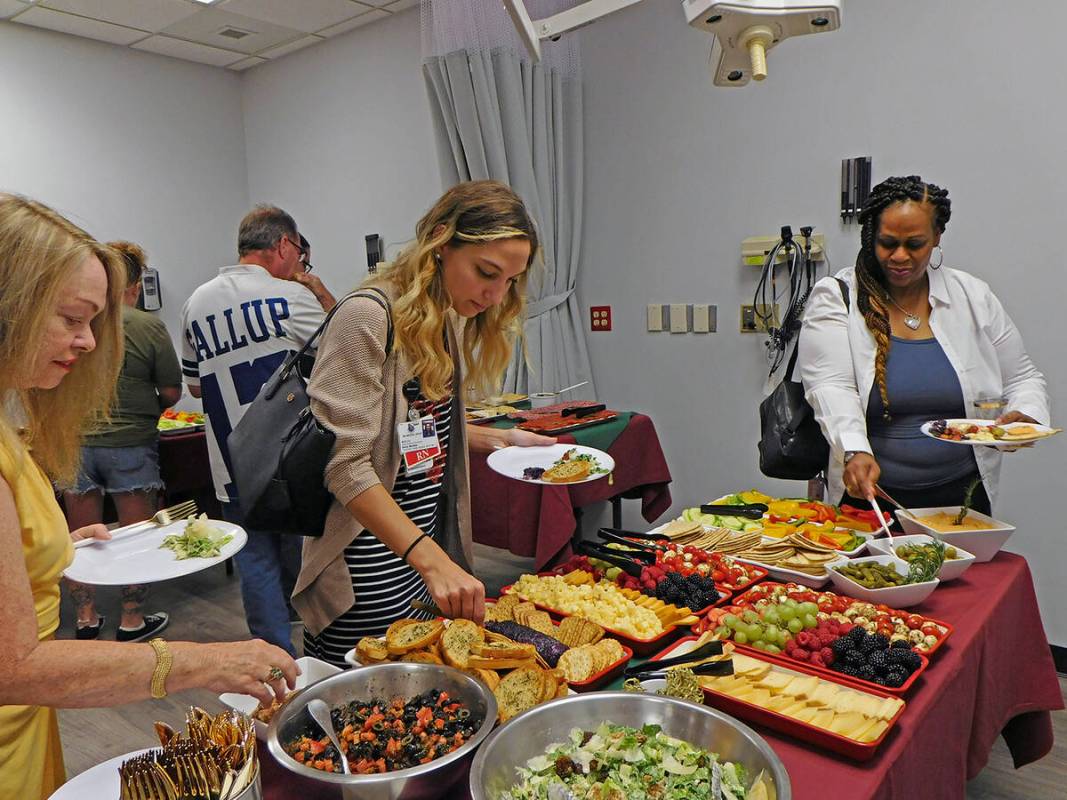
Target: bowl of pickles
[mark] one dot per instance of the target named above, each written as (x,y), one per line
(883,579)
(910,547)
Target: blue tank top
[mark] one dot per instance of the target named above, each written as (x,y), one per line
(922,385)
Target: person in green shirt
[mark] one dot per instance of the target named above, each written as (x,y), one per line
(121,458)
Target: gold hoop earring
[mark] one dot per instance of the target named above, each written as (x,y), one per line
(940,259)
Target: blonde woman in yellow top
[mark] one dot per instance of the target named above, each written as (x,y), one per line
(60,354)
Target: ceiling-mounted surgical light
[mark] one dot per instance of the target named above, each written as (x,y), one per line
(744,30)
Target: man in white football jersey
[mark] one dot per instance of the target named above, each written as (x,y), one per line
(238,328)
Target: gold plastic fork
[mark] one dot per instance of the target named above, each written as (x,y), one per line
(165,516)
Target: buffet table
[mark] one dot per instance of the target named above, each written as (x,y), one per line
(993,677)
(539,521)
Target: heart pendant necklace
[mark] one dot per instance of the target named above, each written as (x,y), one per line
(910,319)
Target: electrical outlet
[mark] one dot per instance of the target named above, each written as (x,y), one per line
(600,318)
(679,318)
(704,318)
(655,317)
(751,322)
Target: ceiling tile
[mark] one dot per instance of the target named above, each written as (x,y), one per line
(286,49)
(306,15)
(352,24)
(245,63)
(205,27)
(148,15)
(190,51)
(10,7)
(401,5)
(79,26)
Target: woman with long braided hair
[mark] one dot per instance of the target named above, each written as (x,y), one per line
(912,341)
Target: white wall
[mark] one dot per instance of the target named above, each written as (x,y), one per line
(679,172)
(128,145)
(339,135)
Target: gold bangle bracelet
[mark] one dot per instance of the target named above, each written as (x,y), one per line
(164,659)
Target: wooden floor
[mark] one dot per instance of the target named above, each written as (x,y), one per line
(207,608)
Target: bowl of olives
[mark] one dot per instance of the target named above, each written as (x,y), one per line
(880,579)
(909,547)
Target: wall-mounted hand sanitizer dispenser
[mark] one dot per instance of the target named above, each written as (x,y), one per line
(151,295)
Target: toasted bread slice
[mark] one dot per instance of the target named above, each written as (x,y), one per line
(416,635)
(489,677)
(507,649)
(370,650)
(422,657)
(480,662)
(518,691)
(457,641)
(570,471)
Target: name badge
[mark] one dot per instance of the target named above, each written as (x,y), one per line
(419,444)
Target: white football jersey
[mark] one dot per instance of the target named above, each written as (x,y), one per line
(237,329)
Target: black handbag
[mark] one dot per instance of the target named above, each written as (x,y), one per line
(279,451)
(791,443)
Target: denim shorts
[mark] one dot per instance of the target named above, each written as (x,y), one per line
(115,470)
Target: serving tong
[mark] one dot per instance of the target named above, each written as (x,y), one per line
(582,411)
(648,544)
(659,669)
(746,511)
(617,558)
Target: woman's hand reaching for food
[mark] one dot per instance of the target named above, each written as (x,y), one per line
(254,667)
(861,474)
(96,531)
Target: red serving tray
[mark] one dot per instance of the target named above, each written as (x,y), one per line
(555,424)
(602,678)
(761,573)
(639,647)
(725,593)
(741,600)
(805,732)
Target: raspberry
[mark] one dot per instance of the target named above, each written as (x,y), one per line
(816,659)
(801,654)
(845,628)
(827,655)
(790,646)
(827,639)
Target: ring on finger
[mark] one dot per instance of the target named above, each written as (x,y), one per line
(275,674)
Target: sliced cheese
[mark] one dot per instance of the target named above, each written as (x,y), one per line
(806,714)
(849,724)
(823,718)
(873,732)
(803,686)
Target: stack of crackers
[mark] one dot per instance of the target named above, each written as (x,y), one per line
(510,608)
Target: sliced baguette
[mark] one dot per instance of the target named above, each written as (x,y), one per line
(479,662)
(457,641)
(416,635)
(370,650)
(519,690)
(570,471)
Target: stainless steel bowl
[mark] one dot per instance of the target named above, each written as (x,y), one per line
(386,681)
(533,732)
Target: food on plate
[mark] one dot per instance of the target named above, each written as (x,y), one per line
(908,552)
(581,663)
(871,657)
(569,471)
(872,575)
(970,431)
(946,523)
(506,399)
(199,539)
(603,603)
(524,688)
(267,714)
(922,633)
(489,412)
(458,640)
(386,735)
(768,628)
(631,762)
(371,650)
(545,646)
(852,713)
(406,635)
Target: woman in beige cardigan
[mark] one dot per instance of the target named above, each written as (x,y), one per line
(451,307)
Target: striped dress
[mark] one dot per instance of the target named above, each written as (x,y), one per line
(384,585)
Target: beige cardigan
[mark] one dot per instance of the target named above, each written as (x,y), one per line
(357,393)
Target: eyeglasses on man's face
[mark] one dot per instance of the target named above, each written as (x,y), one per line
(304,257)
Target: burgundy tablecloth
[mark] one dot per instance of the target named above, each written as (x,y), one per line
(994,675)
(535,520)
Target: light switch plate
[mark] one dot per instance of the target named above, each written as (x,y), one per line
(655,317)
(701,323)
(679,318)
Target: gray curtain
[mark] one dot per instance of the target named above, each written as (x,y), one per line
(498,116)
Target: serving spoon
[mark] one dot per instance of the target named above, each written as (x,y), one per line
(320,712)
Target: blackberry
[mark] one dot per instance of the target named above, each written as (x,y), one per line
(901,644)
(851,671)
(855,658)
(880,640)
(912,661)
(895,678)
(897,656)
(867,672)
(880,680)
(869,645)
(841,646)
(877,660)
(856,635)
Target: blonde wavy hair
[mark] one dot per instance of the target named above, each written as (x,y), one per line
(475,212)
(39,250)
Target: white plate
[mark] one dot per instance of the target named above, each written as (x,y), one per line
(511,461)
(101,781)
(983,544)
(906,596)
(311,671)
(984,423)
(138,557)
(950,570)
(846,553)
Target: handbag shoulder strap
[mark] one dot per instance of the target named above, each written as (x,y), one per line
(796,345)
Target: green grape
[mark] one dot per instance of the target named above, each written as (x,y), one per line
(740,637)
(789,601)
(808,608)
(810,621)
(795,625)
(750,616)
(754,632)
(771,648)
(611,573)
(770,616)
(722,632)
(759,644)
(771,634)
(731,620)
(786,613)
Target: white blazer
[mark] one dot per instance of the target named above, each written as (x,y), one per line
(836,362)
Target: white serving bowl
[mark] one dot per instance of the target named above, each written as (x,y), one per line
(950,570)
(893,596)
(311,671)
(984,544)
